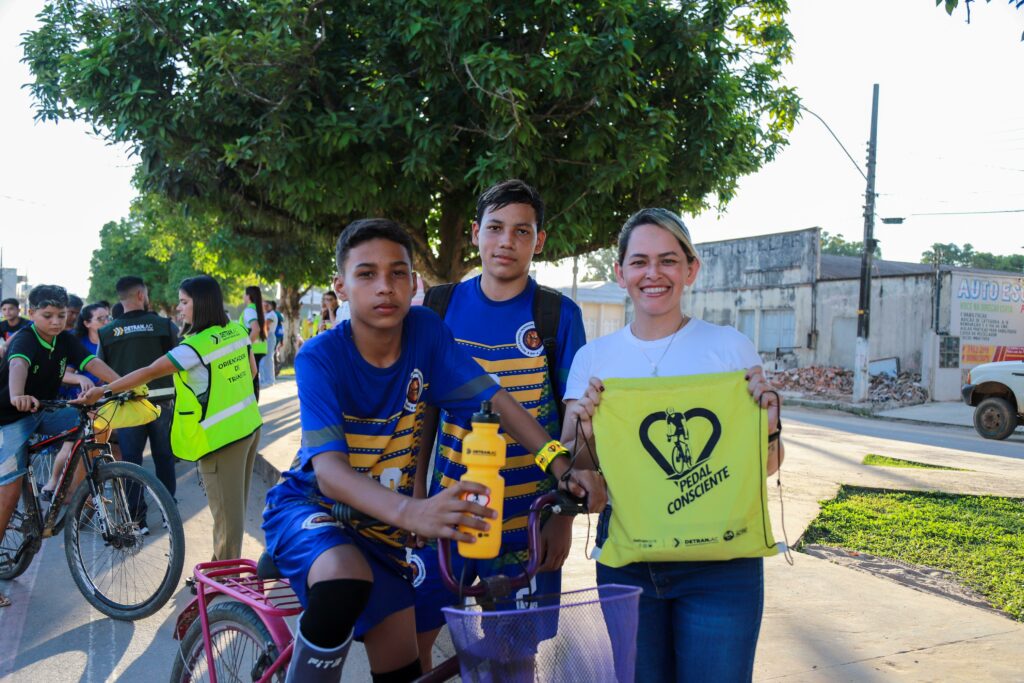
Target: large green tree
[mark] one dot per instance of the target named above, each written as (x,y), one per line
(164,242)
(294,117)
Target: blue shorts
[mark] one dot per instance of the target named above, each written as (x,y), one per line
(431,594)
(14,438)
(299,532)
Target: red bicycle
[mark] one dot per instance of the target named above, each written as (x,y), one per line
(236,629)
(121,569)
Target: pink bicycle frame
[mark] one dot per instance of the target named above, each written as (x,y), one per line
(273,600)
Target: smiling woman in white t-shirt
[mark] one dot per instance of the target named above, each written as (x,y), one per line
(698,620)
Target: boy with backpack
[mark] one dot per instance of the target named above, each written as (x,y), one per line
(525,336)
(363,388)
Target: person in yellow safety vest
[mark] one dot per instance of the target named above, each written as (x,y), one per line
(254,320)
(216,420)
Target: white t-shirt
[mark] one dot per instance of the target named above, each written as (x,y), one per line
(185,358)
(699,347)
(271,319)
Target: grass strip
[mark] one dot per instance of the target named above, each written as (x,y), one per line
(978,538)
(876,460)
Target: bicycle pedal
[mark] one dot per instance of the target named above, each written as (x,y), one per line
(190,583)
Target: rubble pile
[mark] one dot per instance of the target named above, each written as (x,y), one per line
(837,384)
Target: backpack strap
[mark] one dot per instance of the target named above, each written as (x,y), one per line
(438,297)
(547,313)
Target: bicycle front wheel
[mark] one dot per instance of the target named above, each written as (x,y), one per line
(122,571)
(242,647)
(16,551)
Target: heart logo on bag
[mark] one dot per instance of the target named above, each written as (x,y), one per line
(681,461)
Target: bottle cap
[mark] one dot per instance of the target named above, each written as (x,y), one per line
(486,415)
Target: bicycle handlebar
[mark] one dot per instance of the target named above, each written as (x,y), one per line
(559,502)
(58,404)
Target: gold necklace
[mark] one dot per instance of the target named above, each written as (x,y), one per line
(654,365)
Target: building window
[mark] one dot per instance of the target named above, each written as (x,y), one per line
(745,323)
(717,316)
(949,352)
(778,331)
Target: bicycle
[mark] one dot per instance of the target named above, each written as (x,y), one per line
(236,625)
(121,571)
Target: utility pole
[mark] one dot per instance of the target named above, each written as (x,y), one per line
(861,379)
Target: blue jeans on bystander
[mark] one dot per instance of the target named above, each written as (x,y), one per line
(699,621)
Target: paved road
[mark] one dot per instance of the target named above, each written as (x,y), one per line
(958,438)
(51,634)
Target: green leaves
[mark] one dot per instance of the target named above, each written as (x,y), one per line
(293,118)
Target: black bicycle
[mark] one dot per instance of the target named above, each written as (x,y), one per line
(123,570)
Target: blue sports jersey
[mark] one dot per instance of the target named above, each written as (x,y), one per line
(375,415)
(502,337)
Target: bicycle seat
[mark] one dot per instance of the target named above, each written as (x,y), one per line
(266,569)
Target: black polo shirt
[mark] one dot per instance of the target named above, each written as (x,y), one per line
(7,330)
(46,364)
(135,340)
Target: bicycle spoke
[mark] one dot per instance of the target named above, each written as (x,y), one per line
(123,565)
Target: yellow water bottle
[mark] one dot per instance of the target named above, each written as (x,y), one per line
(483,454)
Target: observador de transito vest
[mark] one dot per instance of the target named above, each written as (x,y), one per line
(227,411)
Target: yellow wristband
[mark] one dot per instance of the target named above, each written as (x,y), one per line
(547,454)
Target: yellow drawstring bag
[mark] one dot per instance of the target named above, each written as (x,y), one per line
(132,413)
(685,459)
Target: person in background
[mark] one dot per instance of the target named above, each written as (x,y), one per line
(278,337)
(87,329)
(266,367)
(328,316)
(11,323)
(131,341)
(215,419)
(74,309)
(255,321)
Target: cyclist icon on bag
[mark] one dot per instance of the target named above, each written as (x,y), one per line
(679,437)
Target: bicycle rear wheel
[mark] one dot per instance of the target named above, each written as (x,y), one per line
(242,647)
(22,526)
(120,571)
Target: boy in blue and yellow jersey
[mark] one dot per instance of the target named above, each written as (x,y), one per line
(363,389)
(492,318)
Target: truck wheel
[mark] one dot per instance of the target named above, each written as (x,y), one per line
(994,418)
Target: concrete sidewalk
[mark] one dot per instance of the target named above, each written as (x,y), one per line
(822,621)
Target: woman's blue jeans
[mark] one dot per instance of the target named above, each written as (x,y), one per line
(699,621)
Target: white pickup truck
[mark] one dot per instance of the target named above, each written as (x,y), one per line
(997,392)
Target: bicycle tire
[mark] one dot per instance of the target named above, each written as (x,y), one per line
(83,533)
(227,619)
(18,528)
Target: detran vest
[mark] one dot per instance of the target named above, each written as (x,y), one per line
(259,347)
(227,411)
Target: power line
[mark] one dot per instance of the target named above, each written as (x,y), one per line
(852,160)
(966,213)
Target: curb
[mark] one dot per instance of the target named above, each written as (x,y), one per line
(265,471)
(864,411)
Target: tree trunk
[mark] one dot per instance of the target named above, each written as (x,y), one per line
(290,307)
(456,254)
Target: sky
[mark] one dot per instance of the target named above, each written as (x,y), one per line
(950,139)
